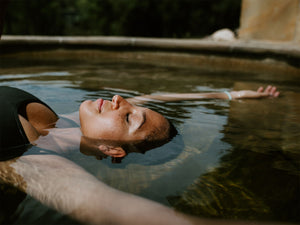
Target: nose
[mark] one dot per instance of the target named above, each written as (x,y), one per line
(116,100)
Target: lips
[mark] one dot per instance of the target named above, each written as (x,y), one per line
(99,104)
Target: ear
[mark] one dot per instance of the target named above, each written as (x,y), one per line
(112,151)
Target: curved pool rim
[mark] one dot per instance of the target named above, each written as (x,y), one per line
(237,55)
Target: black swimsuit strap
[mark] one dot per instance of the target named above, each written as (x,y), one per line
(12,134)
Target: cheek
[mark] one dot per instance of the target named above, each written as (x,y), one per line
(107,128)
(99,127)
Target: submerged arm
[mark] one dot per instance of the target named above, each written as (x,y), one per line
(270,91)
(68,188)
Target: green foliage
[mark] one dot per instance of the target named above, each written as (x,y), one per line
(148,18)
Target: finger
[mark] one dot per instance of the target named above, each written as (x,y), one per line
(268,89)
(273,90)
(277,93)
(260,89)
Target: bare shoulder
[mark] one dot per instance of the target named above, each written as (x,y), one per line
(30,131)
(35,119)
(40,116)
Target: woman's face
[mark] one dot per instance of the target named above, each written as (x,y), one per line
(121,121)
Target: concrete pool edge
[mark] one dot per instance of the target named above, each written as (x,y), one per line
(172,44)
(273,57)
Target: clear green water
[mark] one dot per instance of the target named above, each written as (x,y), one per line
(233,160)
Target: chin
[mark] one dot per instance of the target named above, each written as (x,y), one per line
(84,106)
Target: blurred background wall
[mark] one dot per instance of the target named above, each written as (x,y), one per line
(275,20)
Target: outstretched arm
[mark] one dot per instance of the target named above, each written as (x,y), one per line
(270,91)
(68,188)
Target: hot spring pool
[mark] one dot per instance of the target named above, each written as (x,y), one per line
(231,160)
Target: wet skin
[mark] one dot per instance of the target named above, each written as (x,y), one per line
(119,120)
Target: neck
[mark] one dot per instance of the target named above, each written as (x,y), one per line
(69,120)
(65,137)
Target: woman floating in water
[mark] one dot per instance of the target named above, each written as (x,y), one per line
(27,120)
(107,128)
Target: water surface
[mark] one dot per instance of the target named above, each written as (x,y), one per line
(232,160)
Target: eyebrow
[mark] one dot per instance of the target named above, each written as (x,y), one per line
(144,120)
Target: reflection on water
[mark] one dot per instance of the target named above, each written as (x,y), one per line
(258,178)
(235,159)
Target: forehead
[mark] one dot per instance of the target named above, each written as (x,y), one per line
(155,124)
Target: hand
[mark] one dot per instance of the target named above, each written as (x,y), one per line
(270,91)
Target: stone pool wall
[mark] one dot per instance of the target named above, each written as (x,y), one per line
(272,20)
